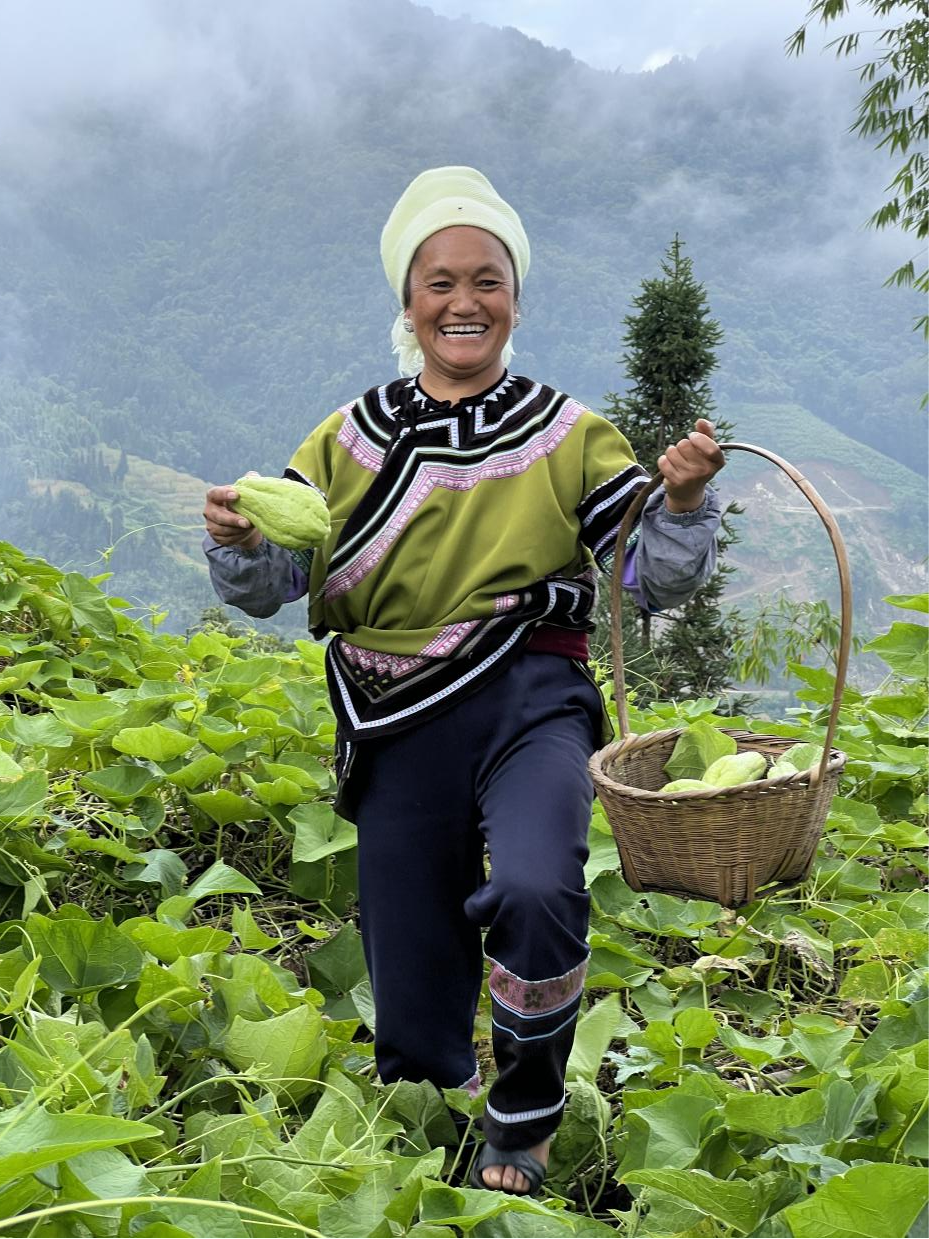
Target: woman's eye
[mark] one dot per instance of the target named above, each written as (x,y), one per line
(440,286)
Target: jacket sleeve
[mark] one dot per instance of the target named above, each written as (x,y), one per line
(261,580)
(670,554)
(675,553)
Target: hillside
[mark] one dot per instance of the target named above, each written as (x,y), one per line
(880,507)
(190,272)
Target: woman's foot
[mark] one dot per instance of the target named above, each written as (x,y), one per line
(505,1178)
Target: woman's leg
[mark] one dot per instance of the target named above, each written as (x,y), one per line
(420,858)
(535,799)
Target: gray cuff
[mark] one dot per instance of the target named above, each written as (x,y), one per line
(676,550)
(256,581)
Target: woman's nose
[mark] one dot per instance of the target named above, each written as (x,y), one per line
(463,301)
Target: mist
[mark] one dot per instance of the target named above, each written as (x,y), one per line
(191,199)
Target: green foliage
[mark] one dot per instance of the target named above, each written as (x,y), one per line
(671,344)
(186,1014)
(892,109)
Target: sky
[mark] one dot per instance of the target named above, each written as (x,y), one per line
(636,35)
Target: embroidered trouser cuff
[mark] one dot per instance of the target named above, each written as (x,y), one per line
(533,1030)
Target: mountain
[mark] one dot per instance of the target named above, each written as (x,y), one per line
(189,273)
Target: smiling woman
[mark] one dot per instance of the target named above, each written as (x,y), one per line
(470,511)
(461,307)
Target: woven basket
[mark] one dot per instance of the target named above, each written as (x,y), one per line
(726,843)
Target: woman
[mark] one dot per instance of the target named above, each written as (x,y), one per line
(469,510)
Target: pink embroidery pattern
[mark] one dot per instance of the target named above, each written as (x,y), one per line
(396,665)
(451,636)
(358,447)
(536,997)
(462,478)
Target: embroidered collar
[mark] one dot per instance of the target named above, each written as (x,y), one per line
(424,404)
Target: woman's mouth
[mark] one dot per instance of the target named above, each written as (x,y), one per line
(464,331)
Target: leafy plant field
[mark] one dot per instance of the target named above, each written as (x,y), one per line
(185,1014)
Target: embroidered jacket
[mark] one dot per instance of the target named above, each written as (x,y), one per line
(455,530)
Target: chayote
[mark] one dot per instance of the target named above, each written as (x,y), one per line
(687,785)
(288,513)
(735,769)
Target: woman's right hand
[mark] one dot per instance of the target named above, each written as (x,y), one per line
(224,525)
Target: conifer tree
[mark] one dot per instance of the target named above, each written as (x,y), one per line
(671,343)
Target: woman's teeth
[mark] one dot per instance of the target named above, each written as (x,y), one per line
(463,331)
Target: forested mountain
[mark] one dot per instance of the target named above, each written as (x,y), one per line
(190,281)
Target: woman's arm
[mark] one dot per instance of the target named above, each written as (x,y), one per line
(246,569)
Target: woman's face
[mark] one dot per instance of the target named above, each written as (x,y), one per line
(462,304)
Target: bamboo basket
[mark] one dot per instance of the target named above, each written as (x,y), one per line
(726,843)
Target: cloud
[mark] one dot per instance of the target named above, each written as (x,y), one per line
(656,59)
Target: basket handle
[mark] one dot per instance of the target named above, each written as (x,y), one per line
(845,585)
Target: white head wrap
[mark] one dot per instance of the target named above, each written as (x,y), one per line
(436,199)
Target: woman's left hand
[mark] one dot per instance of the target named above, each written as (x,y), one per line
(688,465)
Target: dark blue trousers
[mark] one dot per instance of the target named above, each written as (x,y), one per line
(505,768)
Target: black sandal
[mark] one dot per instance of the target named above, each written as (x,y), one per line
(519,1159)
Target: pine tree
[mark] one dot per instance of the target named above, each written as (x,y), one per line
(671,343)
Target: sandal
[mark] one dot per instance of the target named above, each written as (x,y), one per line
(519,1159)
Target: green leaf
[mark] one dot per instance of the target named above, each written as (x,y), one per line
(277,792)
(868,983)
(218,733)
(23,800)
(159,866)
(668,1133)
(611,968)
(766,1115)
(422,1113)
(909,602)
(338,964)
(79,956)
(835,875)
(224,807)
(466,1206)
(669,916)
(17,675)
(254,989)
(91,610)
(250,935)
(595,1030)
(734,1202)
(869,1202)
(320,832)
(122,783)
(194,773)
(696,1028)
(22,987)
(903,648)
(31,1138)
(289,1049)
(759,1051)
(154,742)
(78,841)
(10,770)
(697,747)
(89,718)
(819,1041)
(221,879)
(35,731)
(102,1174)
(169,944)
